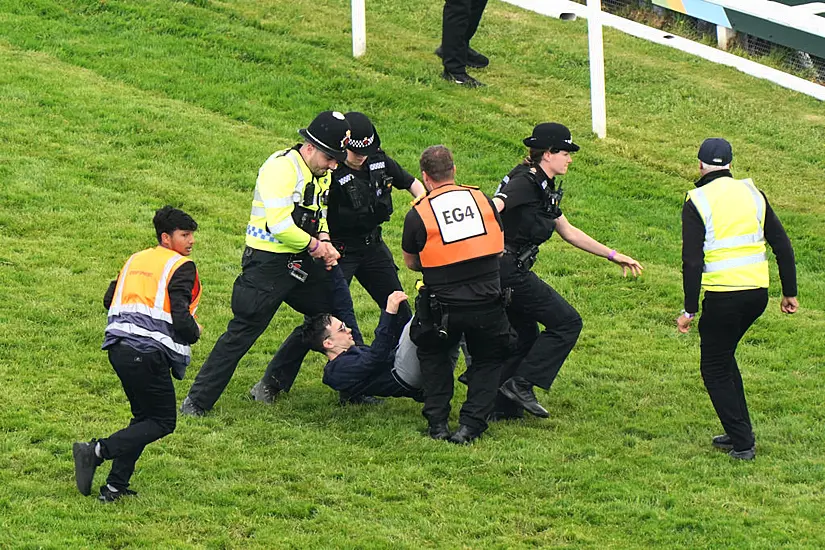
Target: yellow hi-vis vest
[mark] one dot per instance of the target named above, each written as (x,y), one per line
(734,215)
(141,311)
(278,190)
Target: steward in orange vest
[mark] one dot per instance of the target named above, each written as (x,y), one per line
(151,326)
(453,236)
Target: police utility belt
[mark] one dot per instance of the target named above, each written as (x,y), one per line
(525,257)
(434,315)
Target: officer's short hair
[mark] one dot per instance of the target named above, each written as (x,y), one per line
(168,219)
(437,162)
(316,330)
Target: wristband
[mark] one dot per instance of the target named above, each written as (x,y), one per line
(314,248)
(688,315)
(611,255)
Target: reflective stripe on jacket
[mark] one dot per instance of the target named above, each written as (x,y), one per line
(280,186)
(141,308)
(461,225)
(733,212)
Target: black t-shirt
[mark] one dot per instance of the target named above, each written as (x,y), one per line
(346,221)
(524,219)
(466,283)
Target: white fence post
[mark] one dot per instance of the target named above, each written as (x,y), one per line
(596,47)
(359,28)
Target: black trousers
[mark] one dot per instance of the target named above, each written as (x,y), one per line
(726,316)
(375,269)
(487,332)
(538,356)
(458,26)
(148,385)
(263,285)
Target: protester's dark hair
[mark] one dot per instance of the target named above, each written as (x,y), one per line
(437,162)
(533,158)
(316,331)
(168,219)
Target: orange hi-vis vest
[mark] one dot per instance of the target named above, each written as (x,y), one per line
(141,309)
(461,226)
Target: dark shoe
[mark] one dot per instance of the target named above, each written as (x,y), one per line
(189,408)
(85,464)
(439,431)
(722,442)
(462,79)
(345,399)
(465,435)
(747,454)
(107,495)
(521,391)
(475,60)
(264,393)
(498,416)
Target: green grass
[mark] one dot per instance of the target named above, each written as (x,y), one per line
(110,109)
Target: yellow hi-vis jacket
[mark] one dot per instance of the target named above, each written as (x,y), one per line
(733,212)
(141,310)
(278,190)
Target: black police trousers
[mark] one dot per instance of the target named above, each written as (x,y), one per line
(538,356)
(263,285)
(726,316)
(147,382)
(459,24)
(375,269)
(487,332)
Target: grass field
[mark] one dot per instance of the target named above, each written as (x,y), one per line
(110,109)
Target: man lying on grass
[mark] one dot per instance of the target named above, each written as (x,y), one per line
(387,368)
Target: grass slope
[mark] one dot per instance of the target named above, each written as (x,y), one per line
(109,109)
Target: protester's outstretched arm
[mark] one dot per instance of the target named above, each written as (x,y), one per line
(583,241)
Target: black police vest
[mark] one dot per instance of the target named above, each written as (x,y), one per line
(529,224)
(360,205)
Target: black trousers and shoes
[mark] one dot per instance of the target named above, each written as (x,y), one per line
(263,285)
(459,24)
(538,355)
(147,382)
(487,332)
(726,316)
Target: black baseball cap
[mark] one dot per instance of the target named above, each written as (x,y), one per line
(364,138)
(329,132)
(551,135)
(716,152)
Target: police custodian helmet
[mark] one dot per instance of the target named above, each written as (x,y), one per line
(330,133)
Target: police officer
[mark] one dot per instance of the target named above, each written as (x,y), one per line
(528,199)
(287,253)
(725,223)
(360,200)
(453,236)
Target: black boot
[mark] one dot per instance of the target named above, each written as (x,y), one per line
(439,431)
(521,391)
(465,435)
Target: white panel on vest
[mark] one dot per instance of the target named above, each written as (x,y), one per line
(458,216)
